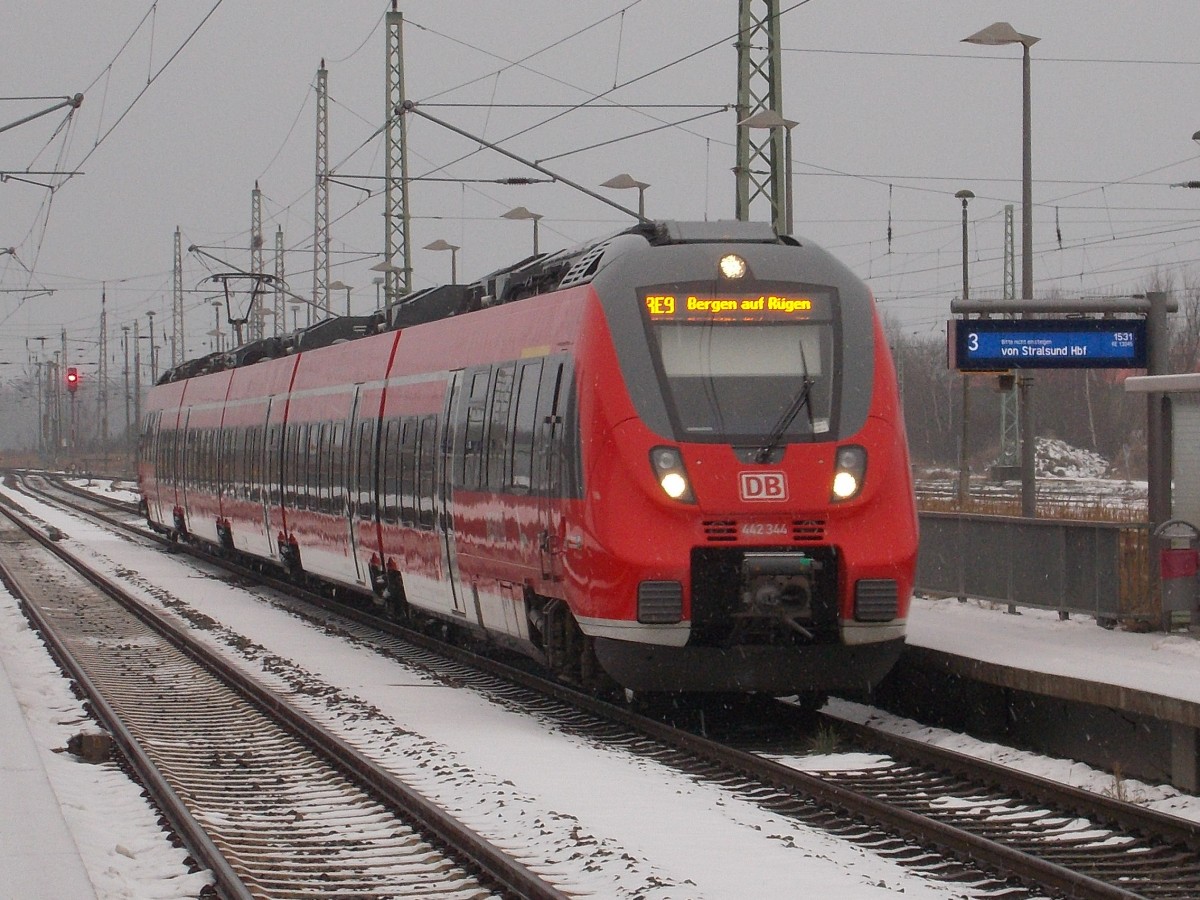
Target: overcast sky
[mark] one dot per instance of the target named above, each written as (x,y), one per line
(184,113)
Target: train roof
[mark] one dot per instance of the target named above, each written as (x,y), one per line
(537,274)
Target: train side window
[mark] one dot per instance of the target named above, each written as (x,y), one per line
(363,477)
(194,459)
(525,425)
(220,444)
(389,500)
(337,469)
(499,439)
(330,467)
(291,435)
(327,467)
(408,471)
(221,460)
(427,451)
(251,435)
(471,452)
(231,471)
(302,460)
(273,463)
(283,437)
(299,443)
(472,447)
(316,467)
(254,464)
(547,462)
(207,459)
(183,466)
(312,461)
(183,458)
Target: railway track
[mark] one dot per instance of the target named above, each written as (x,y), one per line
(997,832)
(274,805)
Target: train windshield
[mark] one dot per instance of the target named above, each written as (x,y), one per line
(746,374)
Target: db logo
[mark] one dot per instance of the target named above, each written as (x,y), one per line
(762,486)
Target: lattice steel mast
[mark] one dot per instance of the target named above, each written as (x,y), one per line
(256,263)
(280,296)
(102,370)
(321,194)
(177,349)
(760,169)
(397,257)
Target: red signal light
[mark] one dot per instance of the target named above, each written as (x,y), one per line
(72,379)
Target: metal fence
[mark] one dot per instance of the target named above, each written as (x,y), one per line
(1097,568)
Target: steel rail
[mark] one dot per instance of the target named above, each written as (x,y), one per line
(503,870)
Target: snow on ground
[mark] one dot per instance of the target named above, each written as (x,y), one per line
(126,853)
(519,776)
(615,824)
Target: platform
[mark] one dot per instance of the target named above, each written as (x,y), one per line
(1140,692)
(39,858)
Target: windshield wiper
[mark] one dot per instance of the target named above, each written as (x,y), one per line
(800,401)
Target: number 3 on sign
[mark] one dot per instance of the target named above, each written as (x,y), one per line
(972,341)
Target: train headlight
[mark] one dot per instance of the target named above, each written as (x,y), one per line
(848,472)
(732,266)
(667,463)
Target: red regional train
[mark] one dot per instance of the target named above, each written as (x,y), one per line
(674,458)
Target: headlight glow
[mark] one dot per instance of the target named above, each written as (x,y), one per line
(667,464)
(674,484)
(732,266)
(844,485)
(850,467)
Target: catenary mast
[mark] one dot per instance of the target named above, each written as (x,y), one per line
(256,264)
(760,170)
(280,297)
(177,349)
(397,261)
(321,194)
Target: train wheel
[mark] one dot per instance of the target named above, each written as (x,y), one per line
(570,654)
(594,679)
(561,638)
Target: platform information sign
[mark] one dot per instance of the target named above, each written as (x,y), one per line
(989,345)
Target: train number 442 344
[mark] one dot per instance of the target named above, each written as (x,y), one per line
(764,529)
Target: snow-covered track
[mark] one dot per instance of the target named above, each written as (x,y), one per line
(1002,832)
(264,797)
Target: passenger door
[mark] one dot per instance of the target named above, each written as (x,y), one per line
(548,467)
(451,448)
(357,480)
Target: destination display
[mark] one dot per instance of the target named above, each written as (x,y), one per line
(988,345)
(728,306)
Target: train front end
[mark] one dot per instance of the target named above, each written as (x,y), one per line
(751,525)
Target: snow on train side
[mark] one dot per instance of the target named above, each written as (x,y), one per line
(674,459)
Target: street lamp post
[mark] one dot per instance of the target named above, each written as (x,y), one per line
(964,461)
(998,34)
(625,181)
(440,244)
(389,292)
(520,212)
(769,118)
(341,286)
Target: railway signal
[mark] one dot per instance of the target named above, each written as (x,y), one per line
(72,379)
